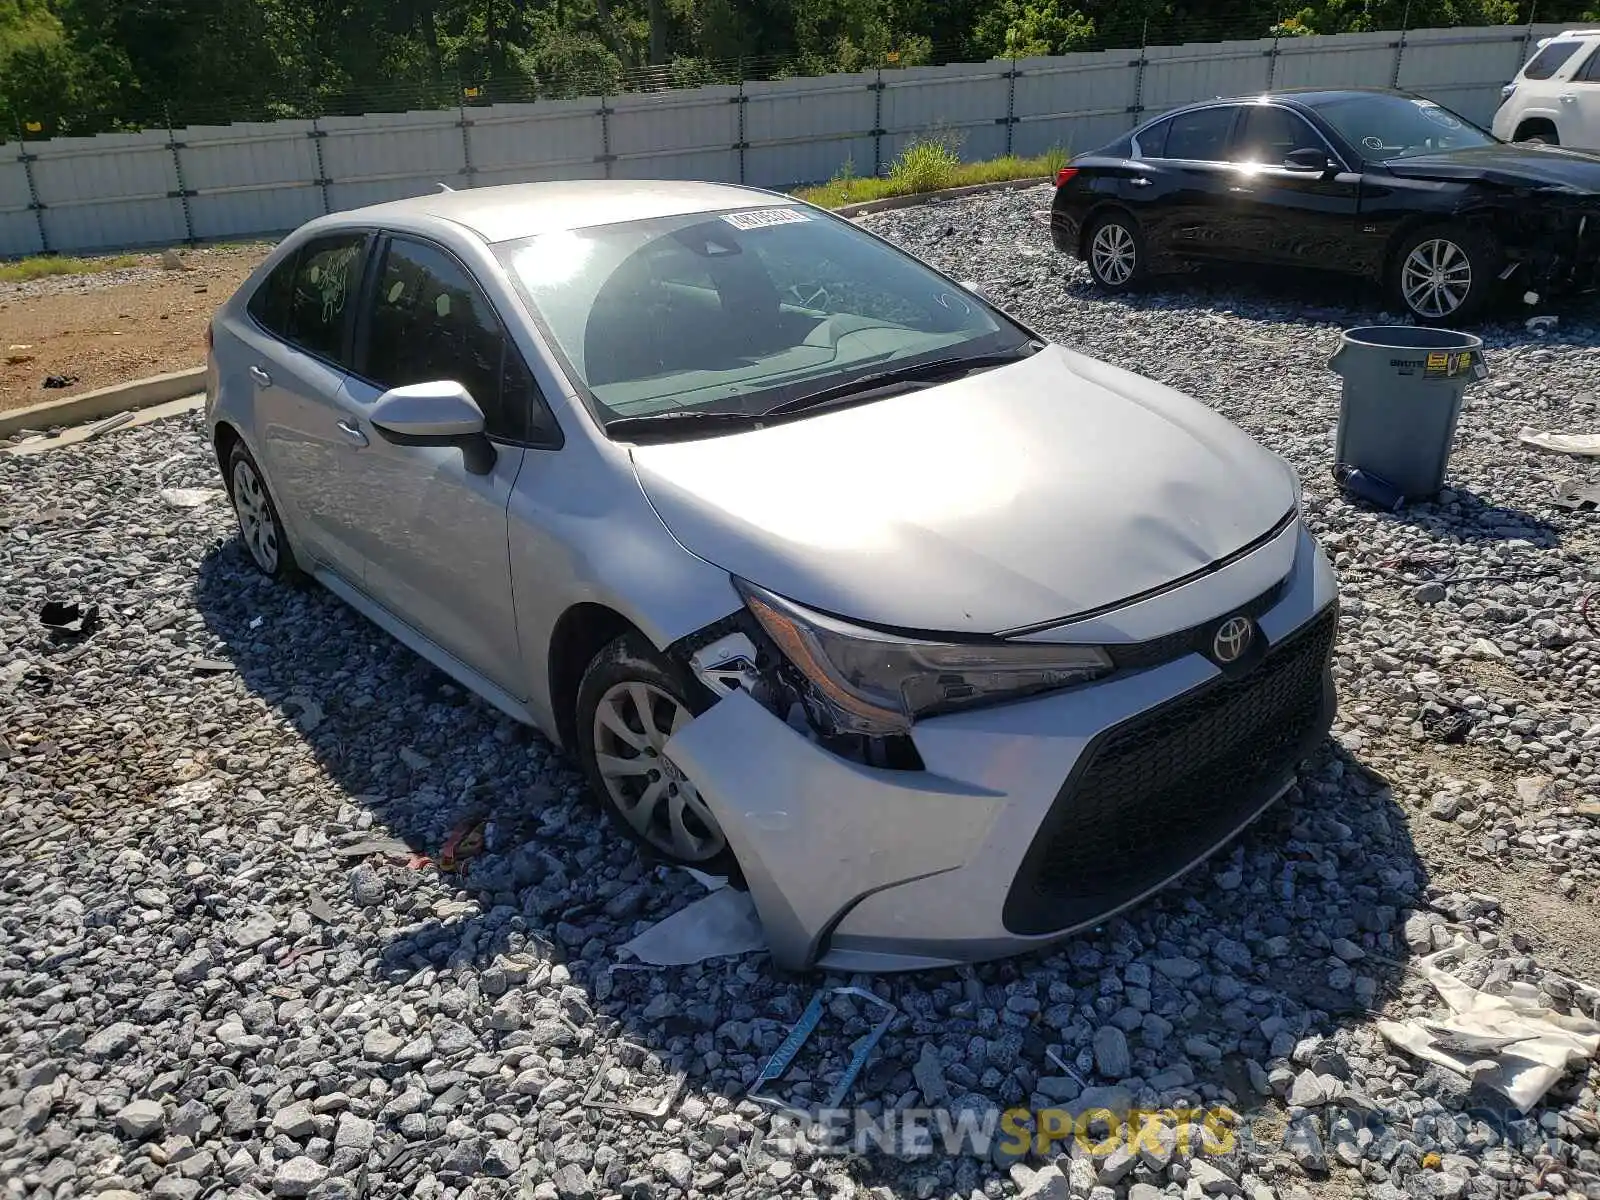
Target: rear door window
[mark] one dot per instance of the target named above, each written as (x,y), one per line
(1153,141)
(1549,60)
(1202,135)
(1590,71)
(326,277)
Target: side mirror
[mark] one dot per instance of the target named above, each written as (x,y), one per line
(975,288)
(1309,159)
(441,413)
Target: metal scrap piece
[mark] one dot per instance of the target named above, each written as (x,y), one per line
(654,1111)
(783,1057)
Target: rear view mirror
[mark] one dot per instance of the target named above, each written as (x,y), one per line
(441,413)
(1308,159)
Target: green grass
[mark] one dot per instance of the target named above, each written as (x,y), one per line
(50,264)
(929,165)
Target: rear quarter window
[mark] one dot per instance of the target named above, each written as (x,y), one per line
(1153,141)
(1550,60)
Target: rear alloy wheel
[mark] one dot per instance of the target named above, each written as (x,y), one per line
(629,705)
(1115,252)
(260,528)
(1445,273)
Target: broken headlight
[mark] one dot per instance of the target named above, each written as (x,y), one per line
(878,683)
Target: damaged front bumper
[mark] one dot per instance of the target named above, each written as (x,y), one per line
(1553,248)
(1026,821)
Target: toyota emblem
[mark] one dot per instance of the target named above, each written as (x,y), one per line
(1232,640)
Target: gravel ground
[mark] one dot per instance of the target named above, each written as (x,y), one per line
(231,962)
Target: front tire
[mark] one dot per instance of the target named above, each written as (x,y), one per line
(260,527)
(630,703)
(1114,250)
(1445,273)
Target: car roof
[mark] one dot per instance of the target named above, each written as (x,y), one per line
(1305,97)
(517,210)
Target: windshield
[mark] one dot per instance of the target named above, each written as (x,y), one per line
(737,311)
(1386,127)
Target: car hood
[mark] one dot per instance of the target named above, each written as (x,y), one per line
(1519,165)
(1016,496)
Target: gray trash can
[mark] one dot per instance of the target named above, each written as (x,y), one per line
(1403,388)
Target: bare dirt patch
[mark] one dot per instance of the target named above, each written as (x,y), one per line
(114,326)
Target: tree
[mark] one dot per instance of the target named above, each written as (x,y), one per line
(1024,28)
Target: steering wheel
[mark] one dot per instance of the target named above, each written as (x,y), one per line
(809,295)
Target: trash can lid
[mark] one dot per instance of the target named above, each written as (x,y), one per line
(1411,337)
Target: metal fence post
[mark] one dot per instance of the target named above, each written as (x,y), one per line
(1138,64)
(1011,102)
(183,193)
(467,169)
(877,124)
(743,101)
(1527,39)
(316,135)
(1272,54)
(1400,47)
(606,156)
(34,203)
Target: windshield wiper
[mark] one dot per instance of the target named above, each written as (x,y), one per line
(674,418)
(913,373)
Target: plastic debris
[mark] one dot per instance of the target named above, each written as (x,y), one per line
(721,925)
(189,497)
(1365,486)
(464,843)
(69,619)
(1575,495)
(1585,444)
(109,424)
(783,1057)
(1542,324)
(655,1088)
(310,711)
(1507,1042)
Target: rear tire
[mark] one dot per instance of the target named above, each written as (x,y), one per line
(1113,248)
(260,527)
(1444,274)
(1541,134)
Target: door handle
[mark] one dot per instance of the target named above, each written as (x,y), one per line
(1243,190)
(1568,97)
(1138,181)
(261,377)
(353,433)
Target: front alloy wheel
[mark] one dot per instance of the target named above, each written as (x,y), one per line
(631,725)
(630,704)
(1436,278)
(1445,273)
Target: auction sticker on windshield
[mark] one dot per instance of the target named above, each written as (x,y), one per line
(761,218)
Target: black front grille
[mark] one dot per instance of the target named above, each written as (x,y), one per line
(1151,796)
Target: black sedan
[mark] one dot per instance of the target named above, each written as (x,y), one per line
(1375,183)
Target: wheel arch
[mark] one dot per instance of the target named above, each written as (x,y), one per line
(1529,125)
(580,633)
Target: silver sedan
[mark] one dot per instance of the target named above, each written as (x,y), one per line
(943,640)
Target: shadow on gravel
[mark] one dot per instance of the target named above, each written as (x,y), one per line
(1293,296)
(1292,931)
(1469,517)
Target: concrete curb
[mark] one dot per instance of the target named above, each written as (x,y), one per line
(102,402)
(916,198)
